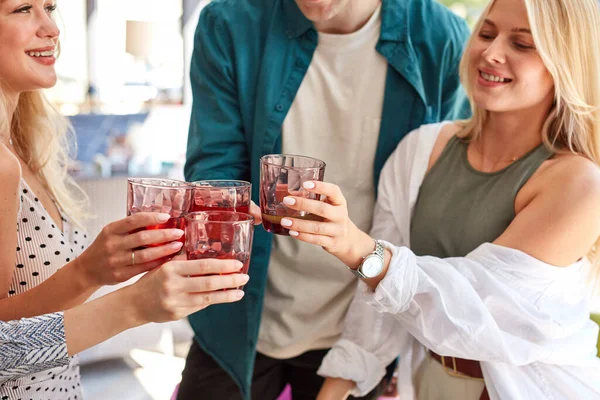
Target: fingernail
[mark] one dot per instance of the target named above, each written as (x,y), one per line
(290,201)
(286,222)
(176,245)
(177,233)
(294,233)
(239,295)
(163,217)
(245,278)
(308,185)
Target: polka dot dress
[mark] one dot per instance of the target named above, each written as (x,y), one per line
(42,248)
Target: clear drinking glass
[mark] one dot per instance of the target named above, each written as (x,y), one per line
(221,195)
(224,235)
(160,195)
(282,175)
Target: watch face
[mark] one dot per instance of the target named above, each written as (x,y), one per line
(372,266)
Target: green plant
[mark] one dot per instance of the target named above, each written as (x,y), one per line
(468,9)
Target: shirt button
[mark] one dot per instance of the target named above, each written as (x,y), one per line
(279,107)
(299,63)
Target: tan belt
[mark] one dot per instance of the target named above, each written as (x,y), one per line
(461,368)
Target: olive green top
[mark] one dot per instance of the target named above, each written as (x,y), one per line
(459,207)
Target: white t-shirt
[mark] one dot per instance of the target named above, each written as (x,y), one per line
(335,117)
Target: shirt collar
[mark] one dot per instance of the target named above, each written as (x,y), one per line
(297,23)
(394,26)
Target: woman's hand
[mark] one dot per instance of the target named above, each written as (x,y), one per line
(336,233)
(116,255)
(181,287)
(168,293)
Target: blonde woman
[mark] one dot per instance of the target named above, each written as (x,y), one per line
(494,224)
(53,268)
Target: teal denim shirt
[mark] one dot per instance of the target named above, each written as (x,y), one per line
(250,57)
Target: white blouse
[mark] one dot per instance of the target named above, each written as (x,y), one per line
(526,321)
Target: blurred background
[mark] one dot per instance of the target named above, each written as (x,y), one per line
(468,9)
(123,82)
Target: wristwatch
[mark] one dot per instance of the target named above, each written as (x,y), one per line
(372,264)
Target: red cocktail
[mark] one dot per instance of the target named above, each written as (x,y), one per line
(159,195)
(223,235)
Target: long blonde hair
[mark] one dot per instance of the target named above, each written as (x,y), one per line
(45,141)
(42,138)
(566,35)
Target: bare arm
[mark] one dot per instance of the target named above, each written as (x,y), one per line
(165,294)
(106,262)
(560,220)
(171,292)
(92,323)
(10,175)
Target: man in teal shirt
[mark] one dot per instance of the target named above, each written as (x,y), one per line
(340,80)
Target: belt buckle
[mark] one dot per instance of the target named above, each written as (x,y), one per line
(454,371)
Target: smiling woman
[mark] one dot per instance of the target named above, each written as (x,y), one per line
(53,268)
(26,33)
(490,226)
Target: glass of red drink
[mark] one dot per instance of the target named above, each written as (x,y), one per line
(160,195)
(282,175)
(224,235)
(221,195)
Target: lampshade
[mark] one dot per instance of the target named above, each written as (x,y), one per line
(140,37)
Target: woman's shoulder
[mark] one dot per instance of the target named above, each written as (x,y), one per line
(579,177)
(422,143)
(571,173)
(411,157)
(569,177)
(557,211)
(447,131)
(563,176)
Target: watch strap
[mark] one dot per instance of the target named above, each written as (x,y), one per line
(358,273)
(379,252)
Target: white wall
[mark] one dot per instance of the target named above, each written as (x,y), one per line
(71,66)
(188,36)
(110,61)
